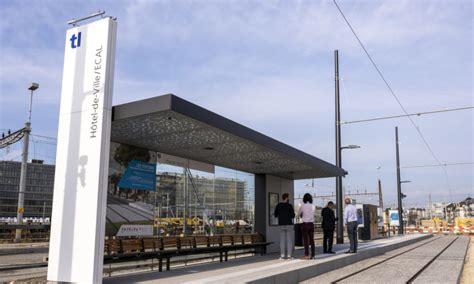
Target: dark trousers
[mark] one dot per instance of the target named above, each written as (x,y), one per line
(328,238)
(352,234)
(308,238)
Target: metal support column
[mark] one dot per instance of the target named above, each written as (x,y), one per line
(185,213)
(380,195)
(339,195)
(22,189)
(24,166)
(399,186)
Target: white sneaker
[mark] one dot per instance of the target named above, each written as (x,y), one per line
(290,258)
(282,258)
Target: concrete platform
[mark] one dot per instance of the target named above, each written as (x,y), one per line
(268,268)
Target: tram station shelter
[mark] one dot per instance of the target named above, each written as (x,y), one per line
(171,125)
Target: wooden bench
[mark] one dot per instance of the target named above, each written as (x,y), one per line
(165,248)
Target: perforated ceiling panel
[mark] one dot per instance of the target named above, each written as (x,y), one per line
(183,129)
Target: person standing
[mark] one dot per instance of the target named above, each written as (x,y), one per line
(329,224)
(306,212)
(350,219)
(207,229)
(285,213)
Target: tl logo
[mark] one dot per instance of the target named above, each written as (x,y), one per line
(73,40)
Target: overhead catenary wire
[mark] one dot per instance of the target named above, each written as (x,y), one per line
(405,115)
(34,147)
(17,157)
(45,137)
(436,165)
(45,142)
(36,152)
(392,92)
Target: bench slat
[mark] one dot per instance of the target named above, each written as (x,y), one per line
(200,241)
(164,248)
(132,245)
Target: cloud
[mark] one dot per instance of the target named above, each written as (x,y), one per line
(27,65)
(305,27)
(398,23)
(269,65)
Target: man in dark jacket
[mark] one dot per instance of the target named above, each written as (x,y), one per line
(329,223)
(285,213)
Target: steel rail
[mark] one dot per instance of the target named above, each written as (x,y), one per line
(430,262)
(380,262)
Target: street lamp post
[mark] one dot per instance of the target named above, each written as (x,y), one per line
(24,164)
(339,193)
(339,212)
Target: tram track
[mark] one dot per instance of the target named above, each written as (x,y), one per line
(347,278)
(414,277)
(23,266)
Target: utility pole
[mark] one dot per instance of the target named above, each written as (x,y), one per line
(380,195)
(399,186)
(185,213)
(24,164)
(430,206)
(167,204)
(339,197)
(155,223)
(44,208)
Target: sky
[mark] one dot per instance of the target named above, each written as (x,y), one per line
(269,65)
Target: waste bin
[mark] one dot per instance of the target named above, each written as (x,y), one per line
(298,236)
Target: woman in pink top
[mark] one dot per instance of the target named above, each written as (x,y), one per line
(306,212)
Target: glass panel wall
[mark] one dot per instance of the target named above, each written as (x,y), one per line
(129,202)
(184,200)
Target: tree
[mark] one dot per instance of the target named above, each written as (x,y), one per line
(125,153)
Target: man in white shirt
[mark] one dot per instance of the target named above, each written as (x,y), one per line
(350,219)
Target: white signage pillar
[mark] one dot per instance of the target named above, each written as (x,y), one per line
(82,158)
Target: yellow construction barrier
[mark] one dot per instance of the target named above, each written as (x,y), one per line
(464,225)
